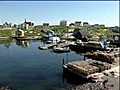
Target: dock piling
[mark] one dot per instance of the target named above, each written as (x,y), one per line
(63,61)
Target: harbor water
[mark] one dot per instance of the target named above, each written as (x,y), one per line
(24,67)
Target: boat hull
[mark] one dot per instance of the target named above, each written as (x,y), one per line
(42,48)
(84,48)
(61,50)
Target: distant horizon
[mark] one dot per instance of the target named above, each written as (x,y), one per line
(58,23)
(52,12)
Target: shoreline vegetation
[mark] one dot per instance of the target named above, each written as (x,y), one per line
(102,33)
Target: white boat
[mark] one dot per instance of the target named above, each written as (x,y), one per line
(48,41)
(61,49)
(43,47)
(46,46)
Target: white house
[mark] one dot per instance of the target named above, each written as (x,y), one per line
(20,33)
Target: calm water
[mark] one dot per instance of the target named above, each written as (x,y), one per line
(25,67)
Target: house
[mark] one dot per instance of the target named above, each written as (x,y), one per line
(77,23)
(45,25)
(68,35)
(115,29)
(7,25)
(54,39)
(102,26)
(81,34)
(26,25)
(96,26)
(85,24)
(63,23)
(19,33)
(71,24)
(49,32)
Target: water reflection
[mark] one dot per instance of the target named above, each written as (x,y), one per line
(22,43)
(32,69)
(6,42)
(73,79)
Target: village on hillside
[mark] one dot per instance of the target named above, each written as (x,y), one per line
(97,31)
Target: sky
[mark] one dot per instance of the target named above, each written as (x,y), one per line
(39,12)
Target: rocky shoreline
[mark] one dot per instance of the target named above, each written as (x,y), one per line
(5,87)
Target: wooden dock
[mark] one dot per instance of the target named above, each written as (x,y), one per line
(104,56)
(86,68)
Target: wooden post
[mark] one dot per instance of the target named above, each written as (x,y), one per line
(67,58)
(84,58)
(63,61)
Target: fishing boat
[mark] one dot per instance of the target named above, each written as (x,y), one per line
(87,46)
(61,49)
(47,46)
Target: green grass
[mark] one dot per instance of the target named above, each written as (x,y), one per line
(58,29)
(103,33)
(6,41)
(33,32)
(6,33)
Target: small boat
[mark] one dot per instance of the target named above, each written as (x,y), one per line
(48,42)
(43,47)
(46,46)
(61,49)
(88,46)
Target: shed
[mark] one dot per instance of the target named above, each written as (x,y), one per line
(81,34)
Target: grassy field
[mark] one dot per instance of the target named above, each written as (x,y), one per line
(6,33)
(103,33)
(9,33)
